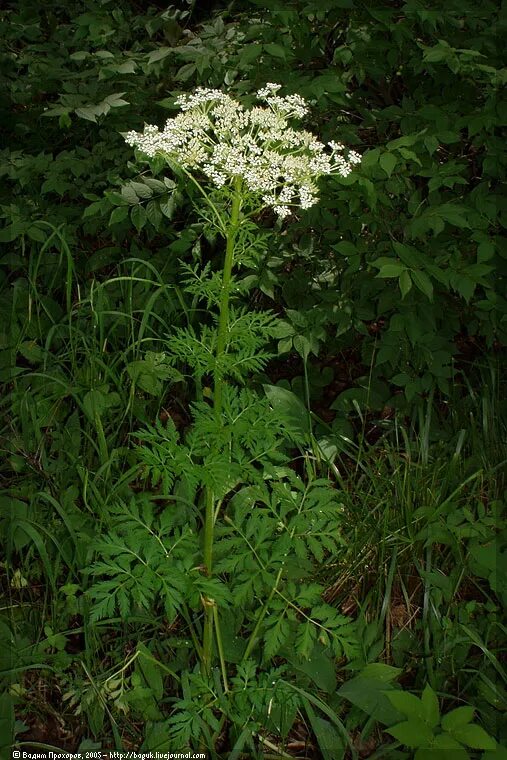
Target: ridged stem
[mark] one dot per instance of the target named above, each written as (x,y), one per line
(218,384)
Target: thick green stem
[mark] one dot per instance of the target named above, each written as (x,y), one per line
(223,319)
(218,381)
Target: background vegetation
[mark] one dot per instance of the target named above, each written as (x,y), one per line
(386,365)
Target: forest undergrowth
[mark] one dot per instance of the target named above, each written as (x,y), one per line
(254,420)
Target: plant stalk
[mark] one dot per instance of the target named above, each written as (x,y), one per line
(218,382)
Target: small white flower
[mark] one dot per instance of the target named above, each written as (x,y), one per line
(282,211)
(268,90)
(286,194)
(307,197)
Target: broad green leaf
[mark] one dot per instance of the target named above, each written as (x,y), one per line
(401,379)
(167,207)
(142,190)
(56,111)
(431,144)
(250,53)
(118,215)
(154,214)
(185,72)
(423,282)
(405,141)
(129,194)
(445,741)
(346,248)
(331,744)
(452,213)
(464,285)
(330,737)
(230,76)
(328,83)
(89,113)
(407,704)
(410,155)
(93,209)
(116,199)
(129,67)
(412,733)
(485,251)
(437,53)
(355,399)
(159,54)
(405,283)
(138,216)
(473,736)
(370,158)
(320,667)
(391,270)
(79,55)
(234,645)
(275,50)
(115,100)
(431,706)
(283,329)
(408,254)
(388,162)
(35,233)
(94,403)
(458,718)
(155,184)
(370,695)
(291,409)
(381,672)
(302,345)
(32,351)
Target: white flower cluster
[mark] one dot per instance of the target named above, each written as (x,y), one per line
(217,136)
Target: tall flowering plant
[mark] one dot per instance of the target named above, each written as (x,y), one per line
(257,160)
(243,160)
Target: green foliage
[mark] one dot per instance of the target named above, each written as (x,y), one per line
(358,465)
(420,729)
(134,559)
(415,722)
